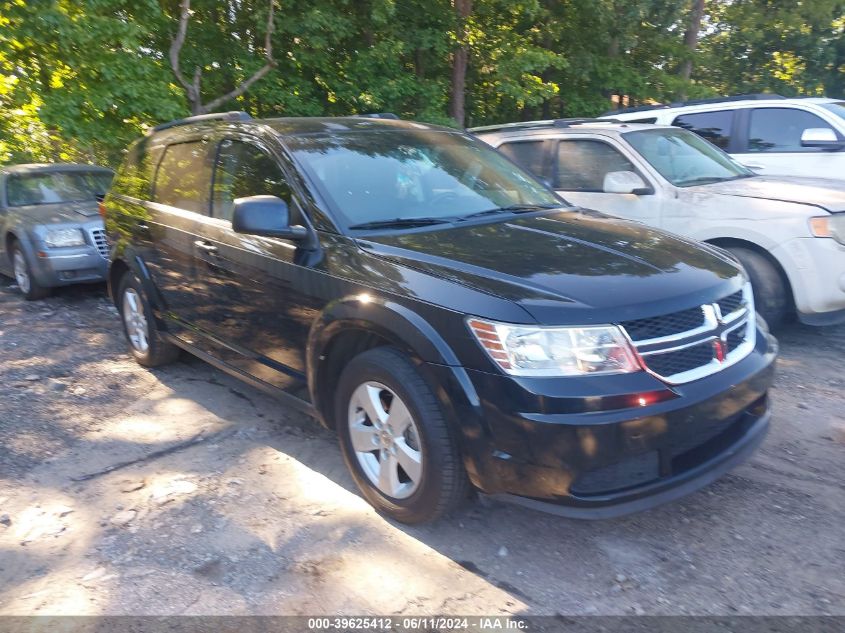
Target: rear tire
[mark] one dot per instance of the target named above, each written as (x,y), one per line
(29,286)
(145,341)
(771,297)
(398,428)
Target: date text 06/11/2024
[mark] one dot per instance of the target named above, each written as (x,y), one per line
(422,623)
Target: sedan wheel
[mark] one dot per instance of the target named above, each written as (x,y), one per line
(27,283)
(386,440)
(135,321)
(21,271)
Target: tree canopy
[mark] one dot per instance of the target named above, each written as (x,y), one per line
(79,79)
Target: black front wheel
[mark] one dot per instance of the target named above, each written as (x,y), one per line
(145,342)
(396,442)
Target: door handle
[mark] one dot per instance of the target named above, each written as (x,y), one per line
(205,246)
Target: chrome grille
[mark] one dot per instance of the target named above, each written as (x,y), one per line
(731,303)
(682,360)
(99,238)
(697,342)
(657,327)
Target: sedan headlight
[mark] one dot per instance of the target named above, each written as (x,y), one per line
(59,238)
(829,226)
(524,350)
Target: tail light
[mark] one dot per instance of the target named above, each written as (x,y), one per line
(101,208)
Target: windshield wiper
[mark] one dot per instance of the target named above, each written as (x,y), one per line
(707,180)
(513,208)
(399,223)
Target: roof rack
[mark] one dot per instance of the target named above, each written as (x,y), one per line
(643,108)
(235,115)
(759,96)
(378,115)
(524,125)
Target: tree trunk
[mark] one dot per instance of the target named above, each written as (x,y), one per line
(691,40)
(460,61)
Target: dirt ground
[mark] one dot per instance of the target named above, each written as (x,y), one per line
(183,491)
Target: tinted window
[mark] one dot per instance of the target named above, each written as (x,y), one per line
(383,175)
(714,126)
(55,187)
(529,154)
(244,170)
(135,176)
(780,129)
(183,179)
(582,165)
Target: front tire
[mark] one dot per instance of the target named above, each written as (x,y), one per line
(29,286)
(771,297)
(395,440)
(145,341)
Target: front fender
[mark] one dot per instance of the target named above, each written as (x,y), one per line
(413,334)
(134,262)
(389,319)
(29,247)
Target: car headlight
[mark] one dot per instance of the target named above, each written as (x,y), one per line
(829,226)
(59,238)
(525,350)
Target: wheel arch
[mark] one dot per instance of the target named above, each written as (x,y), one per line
(350,326)
(117,268)
(728,242)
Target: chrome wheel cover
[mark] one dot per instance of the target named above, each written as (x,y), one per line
(135,321)
(386,440)
(21,272)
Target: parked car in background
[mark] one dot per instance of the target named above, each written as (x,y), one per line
(450,317)
(768,133)
(51,233)
(789,233)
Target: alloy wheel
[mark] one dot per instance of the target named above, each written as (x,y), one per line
(385,439)
(21,271)
(135,321)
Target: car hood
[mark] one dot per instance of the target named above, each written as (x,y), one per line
(59,213)
(573,266)
(819,192)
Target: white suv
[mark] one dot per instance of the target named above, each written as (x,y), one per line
(789,233)
(768,133)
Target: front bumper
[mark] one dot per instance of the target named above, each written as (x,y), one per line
(816,271)
(65,266)
(562,446)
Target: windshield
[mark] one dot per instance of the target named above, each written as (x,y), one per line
(684,158)
(57,186)
(383,176)
(837,108)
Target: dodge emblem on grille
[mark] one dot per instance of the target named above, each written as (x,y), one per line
(719,351)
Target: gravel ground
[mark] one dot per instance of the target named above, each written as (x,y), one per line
(183,491)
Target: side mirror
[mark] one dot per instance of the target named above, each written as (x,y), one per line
(821,137)
(625,182)
(265,215)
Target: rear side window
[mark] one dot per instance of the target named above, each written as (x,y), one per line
(582,165)
(183,179)
(780,129)
(244,170)
(531,155)
(714,126)
(135,176)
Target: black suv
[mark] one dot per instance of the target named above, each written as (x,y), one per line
(453,320)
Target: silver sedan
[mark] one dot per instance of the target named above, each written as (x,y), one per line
(51,233)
